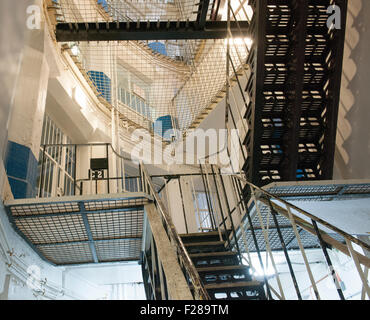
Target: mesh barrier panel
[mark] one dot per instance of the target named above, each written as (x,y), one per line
(53,229)
(67,253)
(89,230)
(118,249)
(116,225)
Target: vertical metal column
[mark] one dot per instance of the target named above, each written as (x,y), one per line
(274,214)
(183,205)
(230,217)
(75,169)
(328,260)
(220,204)
(42,172)
(107,152)
(210,208)
(253,232)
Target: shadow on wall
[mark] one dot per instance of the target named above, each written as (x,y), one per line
(353,137)
(12,32)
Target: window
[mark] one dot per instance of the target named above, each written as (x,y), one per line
(202,213)
(57,163)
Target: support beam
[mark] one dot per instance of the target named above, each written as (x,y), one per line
(202,13)
(217,7)
(176,283)
(89,234)
(171,30)
(299,34)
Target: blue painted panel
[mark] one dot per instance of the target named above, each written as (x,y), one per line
(102,83)
(22,169)
(104,4)
(158,47)
(163,127)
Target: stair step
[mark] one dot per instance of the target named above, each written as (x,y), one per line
(199,234)
(215,259)
(202,236)
(213,254)
(222,268)
(228,285)
(205,247)
(203,244)
(242,290)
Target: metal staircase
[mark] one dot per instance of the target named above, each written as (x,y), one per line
(220,270)
(293,90)
(135,223)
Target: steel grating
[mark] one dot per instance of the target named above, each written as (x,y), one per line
(321,191)
(81,229)
(116,226)
(47,230)
(309,241)
(74,253)
(119,250)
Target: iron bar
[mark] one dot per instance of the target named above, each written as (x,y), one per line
(274,214)
(258,250)
(107,151)
(230,217)
(209,205)
(202,13)
(75,169)
(220,204)
(328,260)
(183,206)
(42,172)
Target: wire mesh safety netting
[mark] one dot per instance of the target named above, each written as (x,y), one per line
(147,80)
(146,85)
(128,10)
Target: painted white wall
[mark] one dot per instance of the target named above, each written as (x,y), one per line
(352,216)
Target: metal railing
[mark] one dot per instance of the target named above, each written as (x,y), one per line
(65,170)
(184,258)
(250,205)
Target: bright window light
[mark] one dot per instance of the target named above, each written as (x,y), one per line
(240,41)
(75,51)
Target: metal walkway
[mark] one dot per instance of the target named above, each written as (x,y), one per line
(81,229)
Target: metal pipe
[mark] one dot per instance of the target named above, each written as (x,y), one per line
(42,172)
(231,219)
(183,206)
(358,267)
(210,209)
(301,247)
(107,151)
(328,260)
(267,244)
(274,214)
(75,169)
(219,203)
